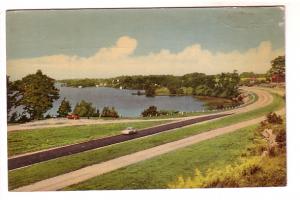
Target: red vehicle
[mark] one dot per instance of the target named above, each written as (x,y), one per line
(73,116)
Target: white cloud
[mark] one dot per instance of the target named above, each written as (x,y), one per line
(120,60)
(280,24)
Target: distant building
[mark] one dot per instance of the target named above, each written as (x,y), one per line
(277,78)
(253,80)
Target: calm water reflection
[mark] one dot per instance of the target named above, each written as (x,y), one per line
(124,102)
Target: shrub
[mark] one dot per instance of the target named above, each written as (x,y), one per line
(23,118)
(273,118)
(48,116)
(13,117)
(84,109)
(150,91)
(281,138)
(251,172)
(64,108)
(109,112)
(230,176)
(149,112)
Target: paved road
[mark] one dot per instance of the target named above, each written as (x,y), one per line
(29,159)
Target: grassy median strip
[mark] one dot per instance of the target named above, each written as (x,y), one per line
(161,170)
(51,168)
(24,141)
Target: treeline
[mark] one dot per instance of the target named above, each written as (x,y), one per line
(85,109)
(87,82)
(220,85)
(252,75)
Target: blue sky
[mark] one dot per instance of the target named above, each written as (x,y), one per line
(38,33)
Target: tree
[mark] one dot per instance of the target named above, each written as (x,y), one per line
(84,109)
(64,108)
(278,66)
(172,89)
(11,95)
(37,92)
(151,111)
(109,112)
(150,91)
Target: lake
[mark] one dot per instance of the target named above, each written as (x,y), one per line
(125,103)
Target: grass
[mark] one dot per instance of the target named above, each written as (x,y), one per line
(258,78)
(51,168)
(24,141)
(161,170)
(162,91)
(215,101)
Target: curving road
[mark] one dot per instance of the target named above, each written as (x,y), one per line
(61,181)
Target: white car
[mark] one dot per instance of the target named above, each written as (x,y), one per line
(129,130)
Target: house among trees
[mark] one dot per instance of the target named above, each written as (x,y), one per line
(277,71)
(277,78)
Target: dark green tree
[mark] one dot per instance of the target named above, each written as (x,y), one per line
(37,92)
(109,112)
(11,95)
(150,112)
(172,89)
(84,109)
(64,108)
(278,66)
(150,91)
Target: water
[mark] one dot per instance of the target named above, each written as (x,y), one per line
(124,102)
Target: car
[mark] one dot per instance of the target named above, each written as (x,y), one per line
(73,116)
(129,130)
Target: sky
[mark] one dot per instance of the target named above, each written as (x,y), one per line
(101,43)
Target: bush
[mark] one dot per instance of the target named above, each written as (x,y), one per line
(23,118)
(262,164)
(251,172)
(150,112)
(48,116)
(273,118)
(281,138)
(109,112)
(64,108)
(84,109)
(13,117)
(230,176)
(150,91)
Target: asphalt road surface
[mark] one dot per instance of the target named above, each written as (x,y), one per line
(25,160)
